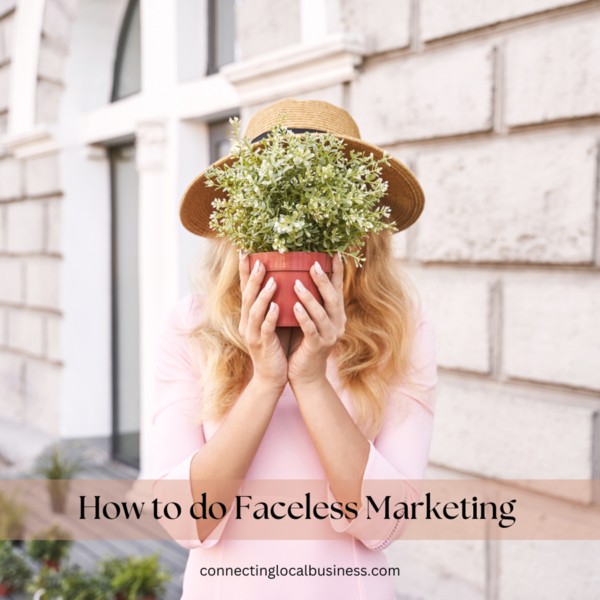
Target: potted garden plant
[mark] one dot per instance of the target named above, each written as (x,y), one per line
(296,199)
(76,584)
(12,519)
(50,546)
(135,577)
(58,465)
(46,584)
(14,570)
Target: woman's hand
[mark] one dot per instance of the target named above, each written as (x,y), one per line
(321,327)
(257,330)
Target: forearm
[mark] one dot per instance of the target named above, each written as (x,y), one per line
(342,448)
(224,460)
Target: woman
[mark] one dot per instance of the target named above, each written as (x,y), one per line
(348,397)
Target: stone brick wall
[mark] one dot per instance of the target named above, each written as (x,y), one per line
(30,246)
(496,106)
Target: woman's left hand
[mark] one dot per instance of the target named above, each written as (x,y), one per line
(320,327)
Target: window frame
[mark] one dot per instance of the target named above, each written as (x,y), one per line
(118,63)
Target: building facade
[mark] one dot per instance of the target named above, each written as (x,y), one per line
(109,108)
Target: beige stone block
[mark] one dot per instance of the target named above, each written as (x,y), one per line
(458,303)
(4,82)
(42,175)
(429,95)
(11,280)
(53,338)
(52,61)
(54,229)
(70,6)
(12,384)
(549,569)
(260,28)
(26,331)
(43,283)
(57,24)
(439,569)
(6,36)
(385,24)
(483,430)
(25,226)
(528,199)
(42,396)
(552,71)
(48,101)
(10,179)
(439,19)
(552,329)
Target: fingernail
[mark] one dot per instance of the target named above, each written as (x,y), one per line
(339,256)
(318,268)
(256,267)
(273,307)
(242,255)
(299,285)
(299,307)
(269,284)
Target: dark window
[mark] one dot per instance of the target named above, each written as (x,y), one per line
(220,134)
(221,33)
(127,78)
(125,306)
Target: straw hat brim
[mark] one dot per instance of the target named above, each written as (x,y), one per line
(404,195)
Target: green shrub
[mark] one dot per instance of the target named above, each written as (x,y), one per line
(12,517)
(298,193)
(14,570)
(52,543)
(135,577)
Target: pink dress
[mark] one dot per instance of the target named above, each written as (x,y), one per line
(400,452)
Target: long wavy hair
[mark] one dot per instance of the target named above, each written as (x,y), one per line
(373,355)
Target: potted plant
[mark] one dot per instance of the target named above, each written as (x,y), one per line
(76,584)
(12,519)
(50,546)
(46,584)
(58,466)
(293,200)
(14,570)
(135,577)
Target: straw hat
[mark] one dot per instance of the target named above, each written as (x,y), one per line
(404,195)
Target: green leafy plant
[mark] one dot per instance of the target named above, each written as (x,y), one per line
(298,193)
(76,584)
(48,580)
(15,572)
(135,577)
(12,517)
(59,464)
(50,544)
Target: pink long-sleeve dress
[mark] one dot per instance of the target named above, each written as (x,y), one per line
(399,453)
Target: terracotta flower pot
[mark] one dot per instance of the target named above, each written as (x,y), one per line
(285,268)
(5,589)
(51,564)
(58,490)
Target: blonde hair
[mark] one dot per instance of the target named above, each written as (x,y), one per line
(373,355)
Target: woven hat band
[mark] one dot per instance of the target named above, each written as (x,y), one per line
(262,136)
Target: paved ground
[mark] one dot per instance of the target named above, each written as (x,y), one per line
(86,553)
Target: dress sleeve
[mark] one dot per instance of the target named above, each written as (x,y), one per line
(176,438)
(400,452)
